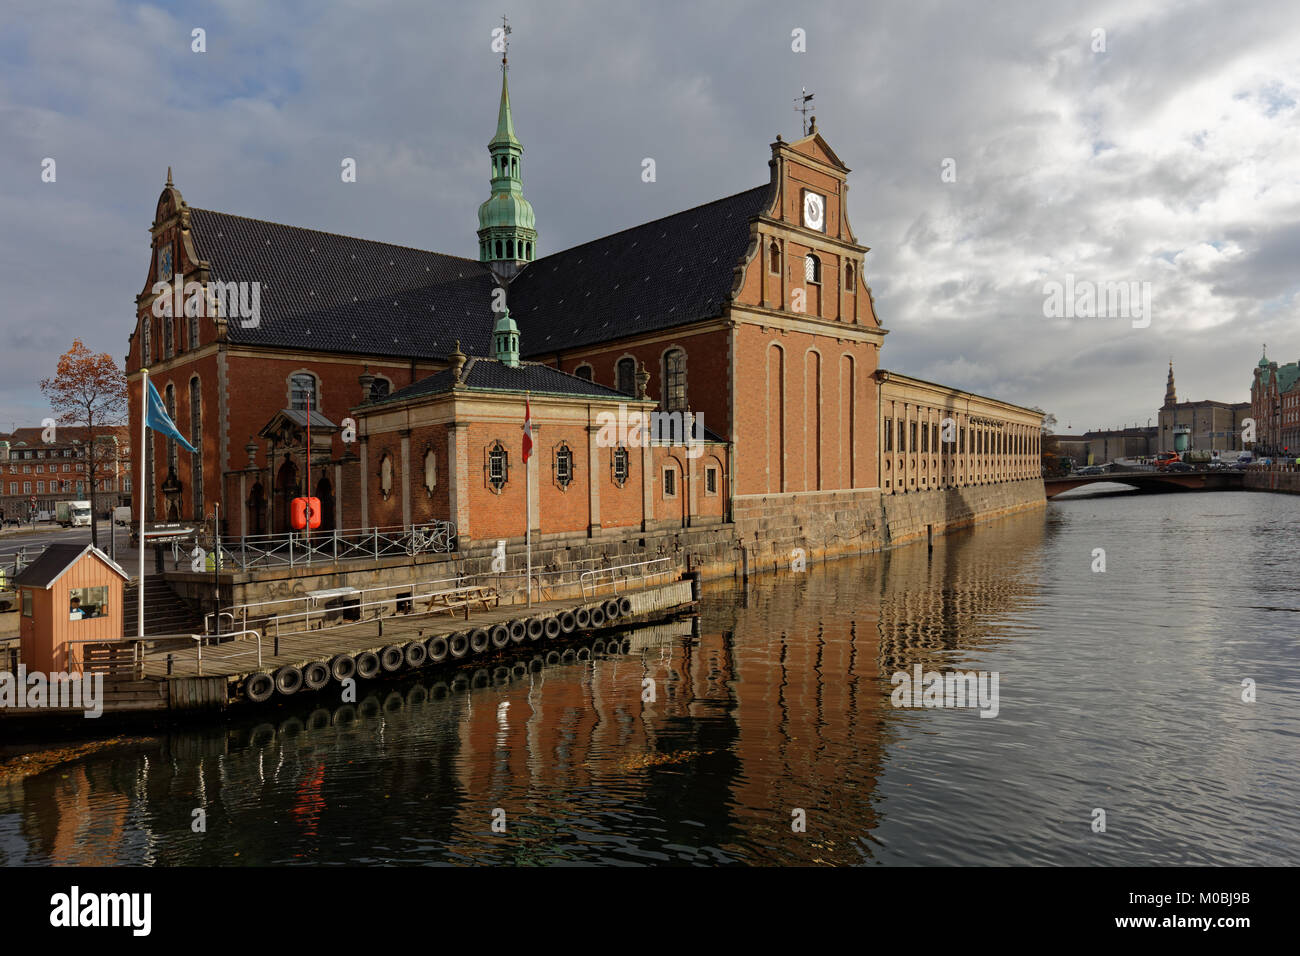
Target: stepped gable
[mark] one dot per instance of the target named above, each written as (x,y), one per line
(323,292)
(658,275)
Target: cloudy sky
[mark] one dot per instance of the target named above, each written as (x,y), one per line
(1163,151)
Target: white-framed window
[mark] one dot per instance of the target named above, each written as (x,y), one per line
(812,269)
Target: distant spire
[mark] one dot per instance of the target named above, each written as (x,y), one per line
(169,176)
(1171,396)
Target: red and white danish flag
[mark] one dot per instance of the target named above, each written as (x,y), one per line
(528,431)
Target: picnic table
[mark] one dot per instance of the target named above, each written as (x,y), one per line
(467,598)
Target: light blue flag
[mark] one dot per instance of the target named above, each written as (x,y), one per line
(160,421)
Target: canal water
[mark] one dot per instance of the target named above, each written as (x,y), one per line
(766,732)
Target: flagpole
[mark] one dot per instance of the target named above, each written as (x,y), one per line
(139,491)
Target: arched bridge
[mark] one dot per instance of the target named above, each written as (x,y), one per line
(1151,481)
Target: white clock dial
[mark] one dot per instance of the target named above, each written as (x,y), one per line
(814,211)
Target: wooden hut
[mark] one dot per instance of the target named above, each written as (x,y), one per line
(71,594)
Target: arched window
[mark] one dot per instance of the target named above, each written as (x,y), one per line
(563,465)
(302,390)
(583,371)
(380,388)
(510,248)
(774,258)
(500,254)
(626,376)
(848,277)
(812,268)
(168,345)
(146,342)
(498,467)
(674,391)
(193,342)
(386,475)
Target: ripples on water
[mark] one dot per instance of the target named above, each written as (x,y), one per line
(1118,690)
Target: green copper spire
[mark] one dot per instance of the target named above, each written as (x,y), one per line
(505,123)
(507,233)
(505,340)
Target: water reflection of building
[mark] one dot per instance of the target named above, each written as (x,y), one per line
(939,608)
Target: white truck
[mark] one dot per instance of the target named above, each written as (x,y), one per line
(72,514)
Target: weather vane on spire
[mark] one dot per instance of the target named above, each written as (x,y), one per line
(505,38)
(802,107)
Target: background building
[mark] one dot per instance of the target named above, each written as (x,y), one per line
(1199,426)
(58,470)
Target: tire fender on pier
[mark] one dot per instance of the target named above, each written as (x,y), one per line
(416,654)
(259,688)
(479,640)
(367,664)
(552,628)
(437,649)
(343,667)
(315,675)
(568,622)
(582,617)
(611,609)
(536,628)
(598,617)
(500,636)
(391,658)
(624,606)
(288,680)
(518,630)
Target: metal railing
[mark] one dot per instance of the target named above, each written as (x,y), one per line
(141,648)
(297,548)
(592,578)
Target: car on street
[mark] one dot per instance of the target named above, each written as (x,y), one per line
(1177,466)
(1091,470)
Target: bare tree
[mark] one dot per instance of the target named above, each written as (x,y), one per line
(88,391)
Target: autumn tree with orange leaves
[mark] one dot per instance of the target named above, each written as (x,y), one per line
(88,391)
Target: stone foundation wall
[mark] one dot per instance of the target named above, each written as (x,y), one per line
(1286,482)
(769,532)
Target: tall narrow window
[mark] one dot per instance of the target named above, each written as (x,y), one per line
(619,463)
(812,268)
(848,277)
(168,347)
(171,442)
(774,258)
(196,439)
(889,434)
(563,466)
(146,342)
(627,376)
(498,467)
(674,396)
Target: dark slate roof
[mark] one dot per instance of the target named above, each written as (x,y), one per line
(54,560)
(325,292)
(654,276)
(490,375)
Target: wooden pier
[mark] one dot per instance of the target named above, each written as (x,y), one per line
(212,673)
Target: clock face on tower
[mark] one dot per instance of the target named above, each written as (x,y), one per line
(165,271)
(814,210)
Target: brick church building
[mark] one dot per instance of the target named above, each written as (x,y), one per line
(748,317)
